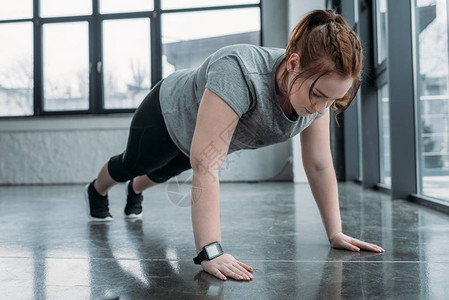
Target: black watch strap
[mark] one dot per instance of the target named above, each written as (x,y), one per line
(203,254)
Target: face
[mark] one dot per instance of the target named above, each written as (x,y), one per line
(326,90)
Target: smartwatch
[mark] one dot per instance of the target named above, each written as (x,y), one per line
(209,252)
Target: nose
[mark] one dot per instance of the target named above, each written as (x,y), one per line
(320,106)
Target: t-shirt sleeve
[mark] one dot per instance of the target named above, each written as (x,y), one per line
(225,77)
(320,115)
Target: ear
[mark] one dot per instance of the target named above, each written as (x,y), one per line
(293,63)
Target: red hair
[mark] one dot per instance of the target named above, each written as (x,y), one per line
(325,44)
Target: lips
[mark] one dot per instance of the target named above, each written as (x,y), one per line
(307,111)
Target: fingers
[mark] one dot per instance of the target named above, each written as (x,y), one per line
(219,274)
(245,266)
(245,272)
(353,244)
(232,269)
(349,246)
(368,246)
(234,272)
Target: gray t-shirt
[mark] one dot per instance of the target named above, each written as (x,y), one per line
(244,77)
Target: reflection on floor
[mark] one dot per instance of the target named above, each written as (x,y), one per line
(48,249)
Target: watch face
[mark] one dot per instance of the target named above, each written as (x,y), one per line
(212,251)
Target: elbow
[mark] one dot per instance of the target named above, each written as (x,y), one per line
(195,163)
(204,168)
(314,168)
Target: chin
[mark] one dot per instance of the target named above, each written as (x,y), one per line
(302,113)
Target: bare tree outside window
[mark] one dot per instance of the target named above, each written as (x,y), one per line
(137,88)
(66,61)
(126,75)
(16,73)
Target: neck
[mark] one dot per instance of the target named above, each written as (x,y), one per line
(280,70)
(283,100)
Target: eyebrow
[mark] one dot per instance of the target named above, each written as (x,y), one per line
(321,93)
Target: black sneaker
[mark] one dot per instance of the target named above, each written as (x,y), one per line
(97,206)
(133,208)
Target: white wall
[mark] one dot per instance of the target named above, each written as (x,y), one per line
(296,10)
(72,149)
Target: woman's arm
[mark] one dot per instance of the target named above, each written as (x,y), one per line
(317,161)
(215,125)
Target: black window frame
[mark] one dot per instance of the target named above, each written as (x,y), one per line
(95,20)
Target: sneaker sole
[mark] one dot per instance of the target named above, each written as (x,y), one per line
(134,216)
(86,199)
(131,216)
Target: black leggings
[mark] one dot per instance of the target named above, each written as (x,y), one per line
(150,150)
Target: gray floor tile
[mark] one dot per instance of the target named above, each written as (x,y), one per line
(49,250)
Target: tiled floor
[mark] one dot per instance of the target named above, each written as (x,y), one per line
(48,249)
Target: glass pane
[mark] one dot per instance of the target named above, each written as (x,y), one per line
(359,131)
(187,41)
(381,30)
(118,6)
(384,118)
(59,8)
(17,9)
(174,4)
(433,118)
(359,106)
(16,73)
(127,70)
(66,65)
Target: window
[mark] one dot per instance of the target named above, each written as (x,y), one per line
(382,46)
(17,9)
(176,4)
(120,6)
(66,64)
(382,94)
(384,139)
(16,73)
(126,57)
(103,56)
(59,8)
(433,98)
(188,45)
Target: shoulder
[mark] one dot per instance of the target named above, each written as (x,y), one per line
(237,49)
(253,58)
(247,51)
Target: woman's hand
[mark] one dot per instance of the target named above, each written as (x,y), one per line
(226,265)
(342,241)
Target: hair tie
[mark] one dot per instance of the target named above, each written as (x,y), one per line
(329,20)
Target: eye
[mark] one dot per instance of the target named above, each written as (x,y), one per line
(316,95)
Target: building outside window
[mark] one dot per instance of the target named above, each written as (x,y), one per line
(431,27)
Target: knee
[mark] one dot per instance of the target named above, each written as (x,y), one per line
(120,169)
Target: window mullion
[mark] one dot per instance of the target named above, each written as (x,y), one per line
(37,60)
(95,58)
(156,44)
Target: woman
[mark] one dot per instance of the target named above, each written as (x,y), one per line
(241,97)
